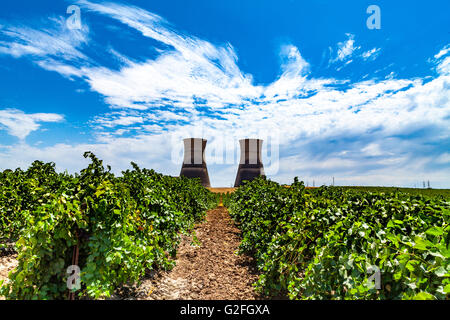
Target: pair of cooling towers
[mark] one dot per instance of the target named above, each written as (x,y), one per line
(250,164)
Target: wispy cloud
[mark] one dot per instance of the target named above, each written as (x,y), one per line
(442,61)
(372,150)
(20,124)
(371,54)
(444,51)
(345,49)
(50,43)
(118,119)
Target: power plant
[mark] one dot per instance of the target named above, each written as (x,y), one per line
(250,164)
(194,164)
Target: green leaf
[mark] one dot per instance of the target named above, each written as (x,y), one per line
(397,275)
(422,244)
(423,296)
(435,231)
(411,265)
(440,272)
(447,289)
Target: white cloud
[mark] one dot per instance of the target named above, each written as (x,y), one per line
(295,69)
(444,66)
(371,54)
(56,40)
(394,169)
(20,124)
(443,158)
(372,150)
(443,52)
(345,49)
(121,120)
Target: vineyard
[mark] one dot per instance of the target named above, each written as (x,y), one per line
(119,227)
(325,243)
(299,243)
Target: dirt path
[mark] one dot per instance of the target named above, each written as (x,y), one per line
(7,264)
(209,271)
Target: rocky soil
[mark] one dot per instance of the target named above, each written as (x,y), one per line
(7,263)
(209,271)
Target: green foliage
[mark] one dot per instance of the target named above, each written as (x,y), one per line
(124,226)
(23,191)
(438,193)
(321,243)
(227,198)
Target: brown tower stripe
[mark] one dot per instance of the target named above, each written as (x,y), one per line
(257,152)
(192,151)
(194,165)
(247,147)
(249,170)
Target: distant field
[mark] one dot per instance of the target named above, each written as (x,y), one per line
(427,192)
(222,190)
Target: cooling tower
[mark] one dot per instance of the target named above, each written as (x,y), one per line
(194,164)
(250,165)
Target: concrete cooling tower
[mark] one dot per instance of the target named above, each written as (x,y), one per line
(194,164)
(250,165)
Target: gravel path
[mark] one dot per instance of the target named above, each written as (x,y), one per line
(7,263)
(205,271)
(209,271)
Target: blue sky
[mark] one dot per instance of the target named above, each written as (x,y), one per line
(329,96)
